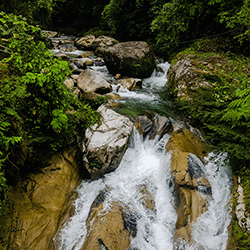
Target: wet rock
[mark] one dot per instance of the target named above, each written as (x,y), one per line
(42,202)
(133,59)
(147,198)
(162,125)
(112,229)
(113,96)
(242,216)
(91,81)
(82,62)
(69,83)
(86,54)
(143,124)
(85,43)
(106,144)
(130,83)
(193,190)
(67,48)
(62,55)
(118,76)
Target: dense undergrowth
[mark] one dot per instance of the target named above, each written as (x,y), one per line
(38,114)
(222,110)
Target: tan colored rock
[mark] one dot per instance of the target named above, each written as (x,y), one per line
(113,96)
(92,81)
(40,204)
(147,198)
(69,83)
(85,61)
(130,83)
(49,33)
(186,141)
(85,42)
(193,190)
(118,76)
(104,41)
(109,229)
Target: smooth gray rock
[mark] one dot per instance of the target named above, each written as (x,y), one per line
(92,81)
(105,145)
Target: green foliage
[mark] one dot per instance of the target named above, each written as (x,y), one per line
(180,22)
(80,16)
(129,19)
(222,110)
(37,11)
(238,22)
(241,239)
(38,113)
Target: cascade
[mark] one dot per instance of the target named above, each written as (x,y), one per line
(147,165)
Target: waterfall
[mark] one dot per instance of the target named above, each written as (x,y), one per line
(146,164)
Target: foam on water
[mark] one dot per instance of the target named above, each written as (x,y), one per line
(145,164)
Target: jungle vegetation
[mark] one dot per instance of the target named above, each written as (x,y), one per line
(36,109)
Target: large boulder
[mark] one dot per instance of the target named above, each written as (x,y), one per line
(92,81)
(133,59)
(42,203)
(193,190)
(106,144)
(191,72)
(185,74)
(111,228)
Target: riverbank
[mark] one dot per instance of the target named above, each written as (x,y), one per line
(212,90)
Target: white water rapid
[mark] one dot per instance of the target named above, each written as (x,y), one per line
(146,163)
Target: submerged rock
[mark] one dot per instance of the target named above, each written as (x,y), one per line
(133,59)
(106,144)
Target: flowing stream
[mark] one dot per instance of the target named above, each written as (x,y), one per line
(146,163)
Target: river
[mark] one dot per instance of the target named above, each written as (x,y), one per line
(146,163)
